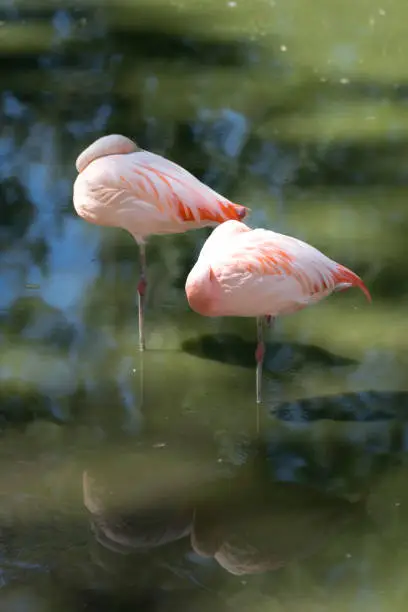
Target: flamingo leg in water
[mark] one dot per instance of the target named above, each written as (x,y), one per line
(259,356)
(260,353)
(141,292)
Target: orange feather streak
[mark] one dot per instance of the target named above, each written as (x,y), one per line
(230,210)
(122,178)
(281,263)
(149,180)
(208,215)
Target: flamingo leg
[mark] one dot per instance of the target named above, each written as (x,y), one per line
(141,292)
(260,352)
(259,356)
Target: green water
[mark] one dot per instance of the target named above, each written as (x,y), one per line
(152,483)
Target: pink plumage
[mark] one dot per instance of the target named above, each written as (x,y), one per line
(123,186)
(260,273)
(250,273)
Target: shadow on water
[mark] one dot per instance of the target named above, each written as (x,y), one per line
(280,356)
(363,406)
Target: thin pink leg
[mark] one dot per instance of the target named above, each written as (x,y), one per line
(141,292)
(259,356)
(260,353)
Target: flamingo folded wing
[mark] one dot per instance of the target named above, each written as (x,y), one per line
(177,193)
(269,273)
(286,257)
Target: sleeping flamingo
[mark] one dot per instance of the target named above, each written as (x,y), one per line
(123,186)
(263,274)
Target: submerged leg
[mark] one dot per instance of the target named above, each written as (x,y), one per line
(141,291)
(270,321)
(260,352)
(259,356)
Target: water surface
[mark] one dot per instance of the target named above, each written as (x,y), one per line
(152,481)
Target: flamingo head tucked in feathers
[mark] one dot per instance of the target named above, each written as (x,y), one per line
(113,144)
(200,288)
(201,284)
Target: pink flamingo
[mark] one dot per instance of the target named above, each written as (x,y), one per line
(263,274)
(123,186)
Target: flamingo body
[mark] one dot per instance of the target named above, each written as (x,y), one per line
(252,273)
(260,273)
(144,193)
(121,185)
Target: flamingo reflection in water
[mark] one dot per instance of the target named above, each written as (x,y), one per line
(248,522)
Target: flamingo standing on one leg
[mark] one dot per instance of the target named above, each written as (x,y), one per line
(260,273)
(121,185)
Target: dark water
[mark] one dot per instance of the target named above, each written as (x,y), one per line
(130,483)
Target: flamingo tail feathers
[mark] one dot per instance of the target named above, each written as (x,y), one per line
(235,211)
(345,279)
